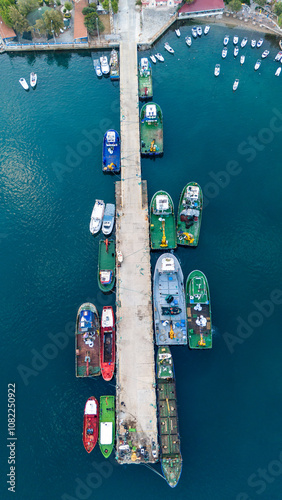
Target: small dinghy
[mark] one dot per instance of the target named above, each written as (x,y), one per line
(33,79)
(235,84)
(153,59)
(24,83)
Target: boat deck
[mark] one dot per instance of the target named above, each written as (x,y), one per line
(170,442)
(85,350)
(151,133)
(196,332)
(145,87)
(157,231)
(107,261)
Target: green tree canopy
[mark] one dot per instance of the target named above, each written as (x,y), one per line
(261,3)
(105,4)
(235,5)
(68,5)
(278,8)
(18,21)
(51,21)
(115,6)
(90,21)
(88,10)
(280,20)
(4,11)
(27,6)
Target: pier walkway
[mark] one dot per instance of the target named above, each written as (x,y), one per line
(135,370)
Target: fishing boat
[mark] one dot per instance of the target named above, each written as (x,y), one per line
(108,219)
(188,41)
(198,311)
(151,129)
(114,65)
(253,43)
(107,425)
(259,43)
(90,424)
(104,65)
(236,51)
(87,341)
(106,265)
(264,54)
(145,82)
(160,57)
(189,215)
(33,79)
(169,302)
(97,216)
(235,40)
(257,65)
(24,83)
(107,354)
(153,59)
(177,32)
(171,459)
(206,29)
(199,31)
(278,71)
(168,48)
(278,56)
(96,65)
(242,59)
(111,152)
(226,40)
(162,222)
(244,42)
(224,53)
(235,84)
(217,70)
(194,32)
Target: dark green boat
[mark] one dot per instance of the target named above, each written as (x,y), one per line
(145,82)
(198,311)
(107,425)
(106,265)
(189,215)
(151,130)
(171,459)
(162,222)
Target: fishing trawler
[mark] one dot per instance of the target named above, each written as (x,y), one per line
(198,311)
(169,302)
(145,82)
(107,354)
(171,459)
(90,424)
(189,215)
(106,265)
(114,65)
(107,425)
(151,130)
(162,222)
(87,341)
(111,152)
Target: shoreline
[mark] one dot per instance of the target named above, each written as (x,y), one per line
(231,22)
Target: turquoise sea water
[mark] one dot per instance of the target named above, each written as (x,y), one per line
(230,399)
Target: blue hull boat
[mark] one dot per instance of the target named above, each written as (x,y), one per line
(111,152)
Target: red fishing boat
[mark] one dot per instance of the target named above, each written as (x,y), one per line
(107,345)
(90,424)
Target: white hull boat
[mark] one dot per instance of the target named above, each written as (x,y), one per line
(257,65)
(265,54)
(253,43)
(160,57)
(108,219)
(33,79)
(224,53)
(24,83)
(259,43)
(97,216)
(194,32)
(278,71)
(206,29)
(104,65)
(236,51)
(235,40)
(242,59)
(217,70)
(226,40)
(168,48)
(188,41)
(244,42)
(235,85)
(199,31)
(177,32)
(153,59)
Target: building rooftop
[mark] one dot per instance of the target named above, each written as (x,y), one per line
(80,31)
(5,31)
(201,5)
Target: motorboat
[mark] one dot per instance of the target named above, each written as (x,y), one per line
(217,70)
(33,79)
(224,53)
(206,29)
(199,31)
(235,84)
(244,42)
(97,216)
(257,65)
(104,65)
(236,51)
(278,71)
(188,41)
(108,219)
(278,56)
(259,43)
(177,32)
(24,83)
(226,40)
(153,59)
(242,59)
(159,57)
(235,40)
(265,54)
(168,48)
(90,424)
(97,67)
(253,43)
(194,32)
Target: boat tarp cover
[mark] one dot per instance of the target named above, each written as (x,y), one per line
(106,432)
(91,408)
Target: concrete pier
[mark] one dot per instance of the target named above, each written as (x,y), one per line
(135,395)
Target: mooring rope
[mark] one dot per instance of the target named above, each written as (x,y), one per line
(154,470)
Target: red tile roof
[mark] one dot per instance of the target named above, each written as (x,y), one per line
(5,31)
(80,31)
(200,5)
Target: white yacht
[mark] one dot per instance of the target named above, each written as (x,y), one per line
(97,216)
(242,59)
(236,51)
(194,32)
(259,43)
(33,79)
(244,42)
(97,67)
(206,29)
(253,43)
(177,32)
(199,31)
(153,59)
(235,39)
(104,65)
(235,84)
(217,70)
(188,40)
(257,65)
(168,48)
(265,54)
(159,57)
(224,53)
(24,83)
(226,40)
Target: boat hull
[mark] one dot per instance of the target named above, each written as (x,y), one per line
(189,223)
(87,342)
(162,224)
(106,262)
(107,354)
(107,425)
(90,424)
(145,81)
(198,311)
(111,153)
(151,132)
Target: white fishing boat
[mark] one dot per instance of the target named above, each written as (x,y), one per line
(33,79)
(108,219)
(104,65)
(168,48)
(253,43)
(199,31)
(264,54)
(97,216)
(236,51)
(257,65)
(226,40)
(24,83)
(224,53)
(177,32)
(242,59)
(188,41)
(194,32)
(153,59)
(207,29)
(235,84)
(217,70)
(244,42)
(235,39)
(278,56)
(278,71)
(259,43)
(160,57)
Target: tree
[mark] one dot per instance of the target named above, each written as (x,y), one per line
(105,4)
(51,22)
(189,1)
(261,3)
(235,5)
(27,6)
(18,21)
(88,10)
(278,8)
(115,6)
(90,21)
(280,21)
(4,11)
(68,5)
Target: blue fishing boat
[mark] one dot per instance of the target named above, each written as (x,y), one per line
(111,152)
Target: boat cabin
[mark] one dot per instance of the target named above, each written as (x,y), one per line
(111,138)
(106,433)
(193,192)
(151,112)
(162,204)
(168,265)
(91,408)
(106,277)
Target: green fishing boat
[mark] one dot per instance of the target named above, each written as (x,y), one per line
(151,130)
(145,82)
(162,222)
(198,311)
(107,425)
(171,459)
(106,265)
(189,215)
(87,341)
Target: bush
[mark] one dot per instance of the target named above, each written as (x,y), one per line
(278,8)
(68,5)
(59,3)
